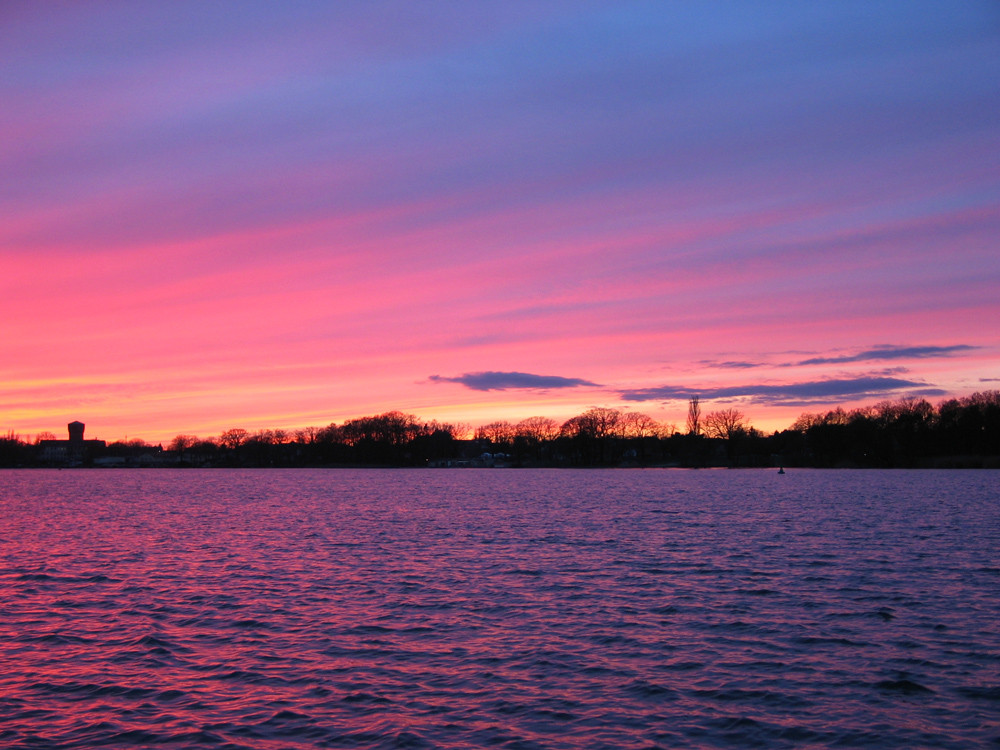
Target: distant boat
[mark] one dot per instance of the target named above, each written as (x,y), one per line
(781,469)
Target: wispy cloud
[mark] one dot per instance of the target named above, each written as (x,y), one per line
(787,393)
(732,364)
(875,354)
(891,352)
(501,381)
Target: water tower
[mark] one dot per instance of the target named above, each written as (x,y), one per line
(76,431)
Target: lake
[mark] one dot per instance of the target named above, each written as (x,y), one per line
(427,608)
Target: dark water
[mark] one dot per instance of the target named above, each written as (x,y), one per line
(509,609)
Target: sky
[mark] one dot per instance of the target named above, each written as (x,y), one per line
(275,215)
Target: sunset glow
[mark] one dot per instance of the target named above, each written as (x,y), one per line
(274,215)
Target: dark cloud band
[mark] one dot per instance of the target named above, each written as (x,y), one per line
(786,393)
(891,352)
(501,381)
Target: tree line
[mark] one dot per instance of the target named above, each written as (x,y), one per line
(903,433)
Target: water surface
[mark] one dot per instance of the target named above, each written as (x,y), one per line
(491,608)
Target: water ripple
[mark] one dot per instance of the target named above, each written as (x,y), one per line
(522,609)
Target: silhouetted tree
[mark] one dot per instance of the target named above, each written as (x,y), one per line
(636,425)
(640,434)
(537,429)
(330,434)
(533,438)
(499,434)
(306,435)
(383,438)
(806,421)
(729,425)
(694,417)
(181,443)
(436,441)
(234,438)
(592,433)
(726,424)
(14,451)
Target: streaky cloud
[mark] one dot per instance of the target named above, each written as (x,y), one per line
(500,381)
(733,364)
(786,393)
(891,352)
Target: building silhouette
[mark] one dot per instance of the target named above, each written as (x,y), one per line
(72,452)
(76,431)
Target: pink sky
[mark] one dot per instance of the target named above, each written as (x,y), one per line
(271,215)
